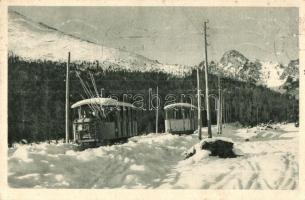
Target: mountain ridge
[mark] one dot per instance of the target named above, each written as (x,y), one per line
(271,74)
(53,44)
(40,41)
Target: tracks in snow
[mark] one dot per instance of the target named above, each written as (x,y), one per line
(272,169)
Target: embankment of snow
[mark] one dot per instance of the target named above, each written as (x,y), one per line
(140,163)
(269,160)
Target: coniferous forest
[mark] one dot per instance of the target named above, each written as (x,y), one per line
(36,97)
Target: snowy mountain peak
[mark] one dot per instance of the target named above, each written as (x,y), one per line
(233,58)
(233,64)
(271,74)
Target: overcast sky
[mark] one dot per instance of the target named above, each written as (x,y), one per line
(174,34)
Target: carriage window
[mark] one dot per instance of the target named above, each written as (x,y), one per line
(83,113)
(175,114)
(171,114)
(83,127)
(184,113)
(110,117)
(79,112)
(179,114)
(168,114)
(86,127)
(124,110)
(134,114)
(121,113)
(129,114)
(187,113)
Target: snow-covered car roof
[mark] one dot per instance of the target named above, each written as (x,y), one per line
(102,102)
(174,105)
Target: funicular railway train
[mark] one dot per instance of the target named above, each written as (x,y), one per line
(180,118)
(103,121)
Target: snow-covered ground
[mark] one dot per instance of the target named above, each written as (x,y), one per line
(269,160)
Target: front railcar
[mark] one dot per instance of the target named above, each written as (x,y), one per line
(103,121)
(84,130)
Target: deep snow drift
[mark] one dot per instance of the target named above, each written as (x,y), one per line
(268,161)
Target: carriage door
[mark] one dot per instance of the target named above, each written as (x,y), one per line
(123,129)
(128,121)
(183,118)
(118,122)
(135,122)
(192,119)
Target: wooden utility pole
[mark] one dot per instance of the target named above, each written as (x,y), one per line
(287,110)
(219,114)
(227,113)
(218,111)
(293,110)
(224,110)
(257,114)
(221,106)
(207,82)
(157,111)
(199,105)
(68,100)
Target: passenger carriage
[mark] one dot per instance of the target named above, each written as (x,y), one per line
(103,121)
(180,118)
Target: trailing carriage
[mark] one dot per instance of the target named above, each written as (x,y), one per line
(103,121)
(180,118)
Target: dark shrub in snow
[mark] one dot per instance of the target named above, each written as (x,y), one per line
(221,147)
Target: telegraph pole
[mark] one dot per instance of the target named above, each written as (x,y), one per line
(224,110)
(68,100)
(199,105)
(219,105)
(256,114)
(207,81)
(157,111)
(218,109)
